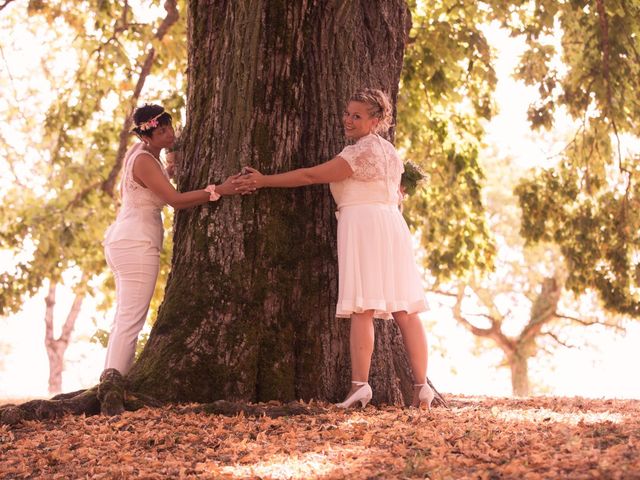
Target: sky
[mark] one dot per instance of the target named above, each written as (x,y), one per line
(599,369)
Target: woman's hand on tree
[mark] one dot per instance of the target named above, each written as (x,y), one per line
(249,178)
(230,187)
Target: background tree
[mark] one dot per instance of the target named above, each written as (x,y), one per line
(54,215)
(447,86)
(522,307)
(56,347)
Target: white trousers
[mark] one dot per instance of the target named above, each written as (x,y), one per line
(135,265)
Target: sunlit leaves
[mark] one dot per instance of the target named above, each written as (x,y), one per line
(58,220)
(446,92)
(593,234)
(586,204)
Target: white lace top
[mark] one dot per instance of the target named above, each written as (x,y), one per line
(377,169)
(140,216)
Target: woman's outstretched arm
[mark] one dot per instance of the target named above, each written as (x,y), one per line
(147,170)
(334,170)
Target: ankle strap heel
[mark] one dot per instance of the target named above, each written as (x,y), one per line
(426,394)
(362,395)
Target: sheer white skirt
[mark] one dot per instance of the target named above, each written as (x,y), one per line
(377,268)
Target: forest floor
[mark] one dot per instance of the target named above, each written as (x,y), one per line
(477,438)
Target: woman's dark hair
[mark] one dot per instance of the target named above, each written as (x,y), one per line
(149,117)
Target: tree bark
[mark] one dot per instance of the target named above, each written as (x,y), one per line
(249,307)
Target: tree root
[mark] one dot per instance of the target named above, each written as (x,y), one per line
(109,397)
(111,392)
(84,402)
(276,409)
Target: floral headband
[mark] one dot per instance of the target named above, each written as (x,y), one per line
(149,124)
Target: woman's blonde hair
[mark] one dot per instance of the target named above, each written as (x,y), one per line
(378,106)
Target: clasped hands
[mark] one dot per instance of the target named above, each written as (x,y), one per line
(247,181)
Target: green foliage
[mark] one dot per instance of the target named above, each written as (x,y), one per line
(445,94)
(55,217)
(599,248)
(586,204)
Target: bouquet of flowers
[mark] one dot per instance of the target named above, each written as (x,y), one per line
(411,178)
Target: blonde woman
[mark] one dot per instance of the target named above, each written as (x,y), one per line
(378,276)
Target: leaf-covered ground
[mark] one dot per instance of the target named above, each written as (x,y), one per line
(478,438)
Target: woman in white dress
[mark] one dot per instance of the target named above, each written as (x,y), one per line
(378,276)
(132,243)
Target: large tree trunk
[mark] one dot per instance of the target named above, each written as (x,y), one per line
(249,306)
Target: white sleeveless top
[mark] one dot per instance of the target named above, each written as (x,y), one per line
(140,215)
(377,169)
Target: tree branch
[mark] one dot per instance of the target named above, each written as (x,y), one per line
(50,302)
(70,321)
(446,294)
(82,194)
(606,72)
(5,3)
(13,86)
(543,309)
(9,152)
(555,337)
(172,17)
(72,316)
(487,300)
(494,332)
(485,315)
(589,323)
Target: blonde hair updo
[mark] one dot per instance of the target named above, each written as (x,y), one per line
(378,106)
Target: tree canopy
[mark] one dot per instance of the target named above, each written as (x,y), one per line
(75,130)
(584,59)
(587,203)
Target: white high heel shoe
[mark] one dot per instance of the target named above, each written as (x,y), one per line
(426,394)
(362,395)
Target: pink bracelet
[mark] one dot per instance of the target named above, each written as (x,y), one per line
(213,196)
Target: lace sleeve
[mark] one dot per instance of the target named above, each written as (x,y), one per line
(366,165)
